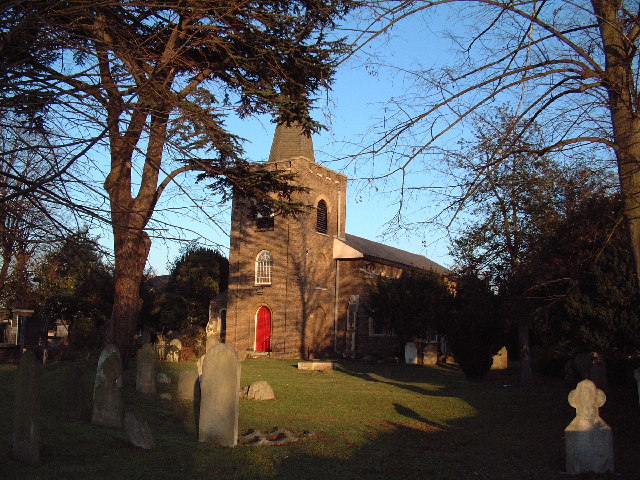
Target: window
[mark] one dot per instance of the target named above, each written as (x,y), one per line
(263,268)
(321,220)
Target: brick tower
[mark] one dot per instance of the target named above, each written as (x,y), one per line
(282,278)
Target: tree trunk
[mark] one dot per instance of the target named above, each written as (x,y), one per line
(619,81)
(131,252)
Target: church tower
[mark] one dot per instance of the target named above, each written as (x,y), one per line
(282,273)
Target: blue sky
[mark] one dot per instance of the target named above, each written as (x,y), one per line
(355,103)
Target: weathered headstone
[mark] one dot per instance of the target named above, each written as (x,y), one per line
(26,411)
(187,385)
(74,395)
(199,365)
(107,399)
(588,439)
(138,431)
(430,354)
(411,353)
(146,369)
(261,391)
(219,402)
(500,360)
(636,375)
(173,352)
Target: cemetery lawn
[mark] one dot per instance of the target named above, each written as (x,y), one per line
(371,422)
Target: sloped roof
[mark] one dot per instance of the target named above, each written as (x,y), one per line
(290,141)
(380,252)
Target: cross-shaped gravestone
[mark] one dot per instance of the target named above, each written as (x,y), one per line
(588,440)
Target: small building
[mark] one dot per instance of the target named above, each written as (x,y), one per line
(298,285)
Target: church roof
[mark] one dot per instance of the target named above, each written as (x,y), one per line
(290,141)
(380,252)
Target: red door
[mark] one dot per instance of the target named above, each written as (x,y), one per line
(263,330)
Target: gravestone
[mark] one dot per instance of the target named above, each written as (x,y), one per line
(146,369)
(26,411)
(213,334)
(219,399)
(636,375)
(199,365)
(411,353)
(161,347)
(588,439)
(261,391)
(107,400)
(430,354)
(500,360)
(187,385)
(138,431)
(74,394)
(173,352)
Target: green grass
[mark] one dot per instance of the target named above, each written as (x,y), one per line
(371,421)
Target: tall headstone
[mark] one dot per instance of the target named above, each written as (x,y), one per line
(75,397)
(26,411)
(219,399)
(636,375)
(107,399)
(411,353)
(146,369)
(588,439)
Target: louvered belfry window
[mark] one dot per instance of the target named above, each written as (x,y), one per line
(321,220)
(264,261)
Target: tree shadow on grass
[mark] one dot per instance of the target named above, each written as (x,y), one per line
(514,433)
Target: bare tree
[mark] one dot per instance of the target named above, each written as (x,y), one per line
(569,67)
(157,79)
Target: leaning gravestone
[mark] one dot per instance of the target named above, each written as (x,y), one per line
(219,399)
(588,439)
(138,431)
(411,353)
(26,412)
(146,369)
(636,375)
(107,401)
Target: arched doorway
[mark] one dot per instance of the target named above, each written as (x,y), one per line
(263,330)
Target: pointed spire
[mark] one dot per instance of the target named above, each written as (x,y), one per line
(290,141)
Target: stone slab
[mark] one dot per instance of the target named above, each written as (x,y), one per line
(316,365)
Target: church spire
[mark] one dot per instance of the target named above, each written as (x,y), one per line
(291,141)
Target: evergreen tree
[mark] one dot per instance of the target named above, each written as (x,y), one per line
(196,277)
(75,288)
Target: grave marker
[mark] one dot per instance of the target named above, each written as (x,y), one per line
(107,402)
(219,399)
(26,411)
(588,439)
(146,369)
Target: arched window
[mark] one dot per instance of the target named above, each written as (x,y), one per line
(264,260)
(321,220)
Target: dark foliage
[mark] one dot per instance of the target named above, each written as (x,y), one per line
(412,304)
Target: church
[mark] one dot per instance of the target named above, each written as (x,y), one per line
(298,285)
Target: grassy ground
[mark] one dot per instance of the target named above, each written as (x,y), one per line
(372,421)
